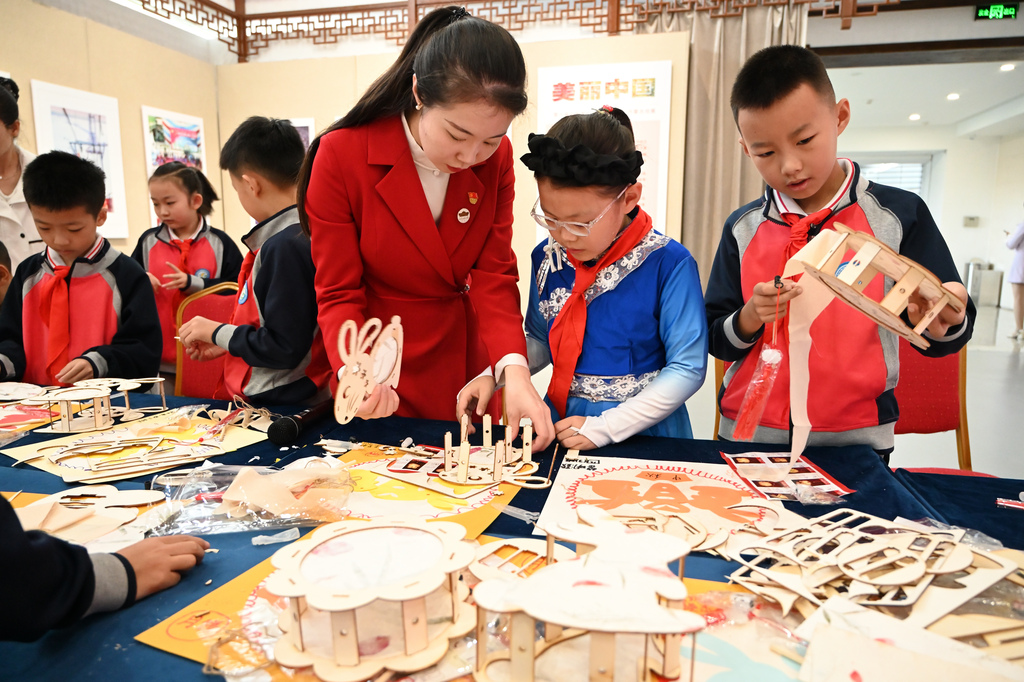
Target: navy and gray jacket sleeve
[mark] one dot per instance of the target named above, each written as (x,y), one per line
(229,268)
(287,301)
(923,243)
(12,344)
(135,350)
(724,298)
(47,583)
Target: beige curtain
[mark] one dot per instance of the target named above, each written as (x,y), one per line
(718,178)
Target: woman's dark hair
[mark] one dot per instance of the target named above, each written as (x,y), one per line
(587,150)
(456,58)
(8,103)
(191,180)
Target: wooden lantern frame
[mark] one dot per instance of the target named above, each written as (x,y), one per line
(309,600)
(498,596)
(873,257)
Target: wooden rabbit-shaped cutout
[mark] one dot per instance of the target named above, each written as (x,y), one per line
(372,356)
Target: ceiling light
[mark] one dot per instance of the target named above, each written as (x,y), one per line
(915,117)
(953,96)
(1006,67)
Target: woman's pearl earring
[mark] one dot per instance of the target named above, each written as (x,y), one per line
(419,107)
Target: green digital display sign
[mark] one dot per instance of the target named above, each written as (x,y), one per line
(999,10)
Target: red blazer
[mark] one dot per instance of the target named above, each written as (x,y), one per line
(379,253)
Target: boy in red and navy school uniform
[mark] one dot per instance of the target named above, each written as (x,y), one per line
(80,309)
(183,255)
(275,351)
(789,122)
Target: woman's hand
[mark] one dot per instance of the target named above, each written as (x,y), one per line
(521,400)
(382,402)
(473,398)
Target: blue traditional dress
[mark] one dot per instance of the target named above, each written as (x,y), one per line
(645,348)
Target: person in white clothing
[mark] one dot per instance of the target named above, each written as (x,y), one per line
(17,229)
(1015,241)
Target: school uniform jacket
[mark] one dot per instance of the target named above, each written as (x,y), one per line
(379,253)
(212,259)
(50,583)
(277,353)
(854,362)
(113,324)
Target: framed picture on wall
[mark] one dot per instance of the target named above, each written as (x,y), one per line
(306,128)
(5,74)
(641,89)
(88,126)
(170,136)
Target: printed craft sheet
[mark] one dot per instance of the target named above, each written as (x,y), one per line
(773,477)
(622,486)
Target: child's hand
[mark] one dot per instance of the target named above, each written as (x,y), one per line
(197,330)
(159,562)
(78,369)
(760,308)
(521,400)
(473,399)
(917,304)
(201,352)
(154,281)
(176,279)
(382,402)
(568,433)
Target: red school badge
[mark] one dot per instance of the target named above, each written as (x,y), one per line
(473,197)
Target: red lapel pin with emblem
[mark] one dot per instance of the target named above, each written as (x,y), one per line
(473,197)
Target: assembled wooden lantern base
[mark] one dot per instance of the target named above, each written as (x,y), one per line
(368,596)
(621,587)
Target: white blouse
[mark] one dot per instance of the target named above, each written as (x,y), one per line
(17,229)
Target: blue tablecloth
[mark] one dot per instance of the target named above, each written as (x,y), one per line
(102,646)
(969,502)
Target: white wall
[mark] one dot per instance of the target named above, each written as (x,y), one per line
(1008,198)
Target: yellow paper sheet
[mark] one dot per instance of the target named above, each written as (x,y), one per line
(394,497)
(235,438)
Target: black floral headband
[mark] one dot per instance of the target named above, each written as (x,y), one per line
(458,13)
(549,158)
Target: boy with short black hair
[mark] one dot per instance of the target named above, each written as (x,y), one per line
(789,121)
(80,309)
(275,351)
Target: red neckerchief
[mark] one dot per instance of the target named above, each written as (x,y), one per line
(54,310)
(566,335)
(798,227)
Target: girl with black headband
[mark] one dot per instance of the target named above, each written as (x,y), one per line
(408,202)
(615,307)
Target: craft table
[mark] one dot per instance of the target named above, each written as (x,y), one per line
(102,646)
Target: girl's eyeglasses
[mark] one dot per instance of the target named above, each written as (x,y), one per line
(578,229)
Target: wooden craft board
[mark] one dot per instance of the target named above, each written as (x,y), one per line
(234,438)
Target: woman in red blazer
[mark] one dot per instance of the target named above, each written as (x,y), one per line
(408,202)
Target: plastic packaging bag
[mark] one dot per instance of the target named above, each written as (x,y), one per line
(232,499)
(756,397)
